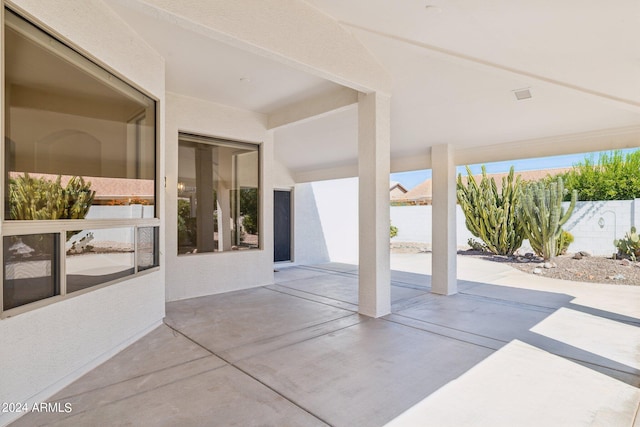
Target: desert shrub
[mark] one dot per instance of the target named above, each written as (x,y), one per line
(629,246)
(393,231)
(614,176)
(476,245)
(564,241)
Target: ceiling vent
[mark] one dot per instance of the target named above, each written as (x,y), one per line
(522,94)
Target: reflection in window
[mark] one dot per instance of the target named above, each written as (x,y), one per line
(147,243)
(65,117)
(30,269)
(98,256)
(218,195)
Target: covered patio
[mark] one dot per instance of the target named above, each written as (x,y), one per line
(312,91)
(503,351)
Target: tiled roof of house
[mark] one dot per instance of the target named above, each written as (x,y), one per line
(424,190)
(397,190)
(106,188)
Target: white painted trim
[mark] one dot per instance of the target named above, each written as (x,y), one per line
(323,174)
(309,109)
(598,140)
(19,227)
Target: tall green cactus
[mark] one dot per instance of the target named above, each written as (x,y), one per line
(39,198)
(542,216)
(489,215)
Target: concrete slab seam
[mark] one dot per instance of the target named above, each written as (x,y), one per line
(229,363)
(76,413)
(265,340)
(523,305)
(443,335)
(308,299)
(140,376)
(636,419)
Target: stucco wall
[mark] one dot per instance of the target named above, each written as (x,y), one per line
(49,347)
(309,245)
(327,223)
(195,275)
(594,225)
(414,225)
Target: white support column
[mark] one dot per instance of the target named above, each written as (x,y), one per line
(374,135)
(443,260)
(223,190)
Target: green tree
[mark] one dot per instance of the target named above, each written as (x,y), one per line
(249,209)
(614,176)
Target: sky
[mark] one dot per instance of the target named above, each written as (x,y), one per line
(411,179)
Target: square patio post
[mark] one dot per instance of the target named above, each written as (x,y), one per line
(443,259)
(374,136)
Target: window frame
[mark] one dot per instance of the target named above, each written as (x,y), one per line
(218,141)
(63,48)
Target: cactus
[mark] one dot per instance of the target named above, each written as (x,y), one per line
(542,216)
(630,245)
(564,241)
(491,216)
(80,198)
(38,198)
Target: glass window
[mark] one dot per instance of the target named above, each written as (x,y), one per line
(218,195)
(147,243)
(79,142)
(30,269)
(94,257)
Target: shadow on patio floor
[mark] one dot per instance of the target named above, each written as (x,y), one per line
(297,353)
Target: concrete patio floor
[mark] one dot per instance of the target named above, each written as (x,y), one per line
(508,350)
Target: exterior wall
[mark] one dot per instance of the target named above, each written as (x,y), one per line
(47,348)
(327,223)
(195,275)
(414,225)
(309,245)
(595,225)
(590,233)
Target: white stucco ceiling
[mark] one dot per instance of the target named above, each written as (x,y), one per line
(454,68)
(204,68)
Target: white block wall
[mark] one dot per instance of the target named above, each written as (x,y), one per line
(326,216)
(595,225)
(414,225)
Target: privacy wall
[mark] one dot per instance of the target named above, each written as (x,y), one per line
(594,225)
(327,223)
